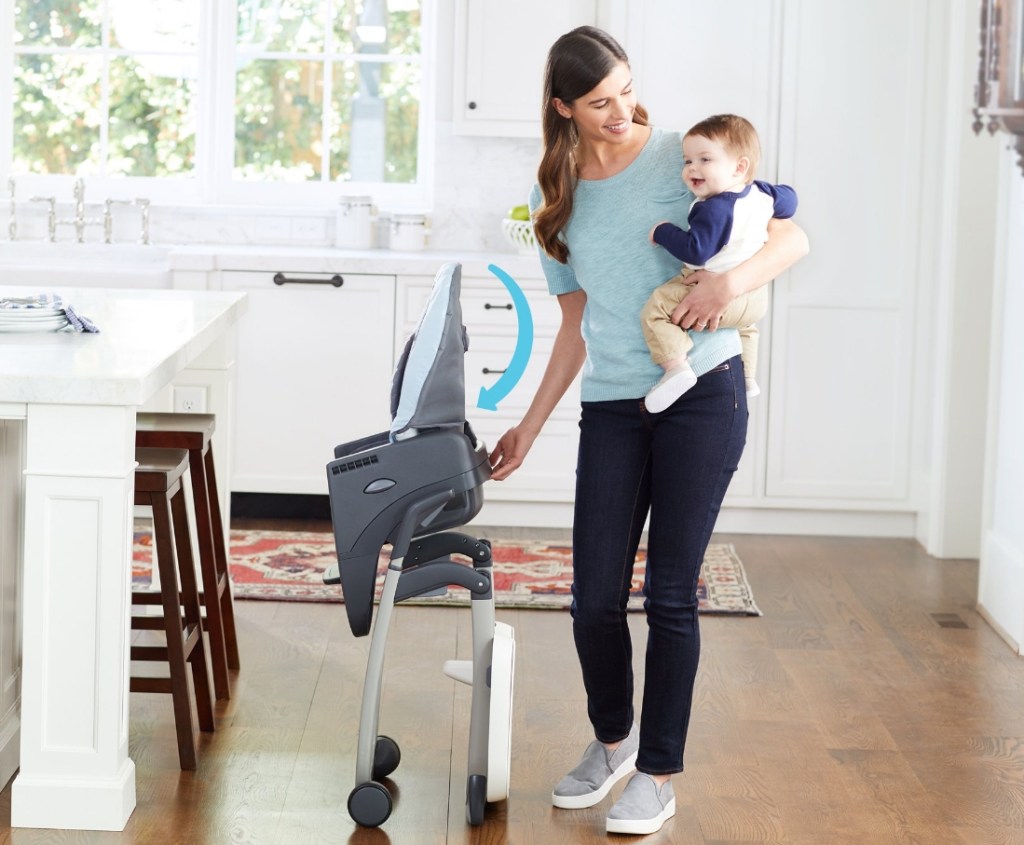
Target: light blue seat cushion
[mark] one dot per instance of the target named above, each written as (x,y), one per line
(429,387)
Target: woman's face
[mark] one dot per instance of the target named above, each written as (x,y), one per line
(605,114)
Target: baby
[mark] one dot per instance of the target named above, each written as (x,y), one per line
(728,222)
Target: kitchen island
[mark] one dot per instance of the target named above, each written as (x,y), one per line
(73,399)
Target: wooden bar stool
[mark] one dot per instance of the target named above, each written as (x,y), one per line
(194,432)
(158,486)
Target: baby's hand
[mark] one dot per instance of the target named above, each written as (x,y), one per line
(650,236)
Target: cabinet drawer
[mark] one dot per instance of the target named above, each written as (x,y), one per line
(489,356)
(486,306)
(549,472)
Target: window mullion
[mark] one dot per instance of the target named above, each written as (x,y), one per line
(7,92)
(218,112)
(327,109)
(105,90)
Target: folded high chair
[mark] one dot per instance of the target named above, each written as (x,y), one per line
(407,487)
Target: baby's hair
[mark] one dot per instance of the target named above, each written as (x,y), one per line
(735,133)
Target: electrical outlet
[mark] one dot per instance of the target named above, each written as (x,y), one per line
(189,400)
(308,229)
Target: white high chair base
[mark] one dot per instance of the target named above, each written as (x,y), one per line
(499,745)
(501,670)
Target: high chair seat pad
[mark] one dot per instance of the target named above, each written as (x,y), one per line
(428,390)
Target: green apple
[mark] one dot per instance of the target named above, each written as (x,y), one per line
(519,212)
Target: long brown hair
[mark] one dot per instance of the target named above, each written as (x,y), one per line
(577,62)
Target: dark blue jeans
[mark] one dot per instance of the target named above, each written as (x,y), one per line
(675,466)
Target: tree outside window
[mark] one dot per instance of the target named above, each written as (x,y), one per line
(105,88)
(323,91)
(327,90)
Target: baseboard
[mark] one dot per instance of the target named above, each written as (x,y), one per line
(280,506)
(732,520)
(1001,588)
(999,629)
(10,746)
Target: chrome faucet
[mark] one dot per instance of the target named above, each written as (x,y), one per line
(108,218)
(51,216)
(79,194)
(80,221)
(143,204)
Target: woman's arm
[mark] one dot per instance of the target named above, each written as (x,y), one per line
(567,356)
(703,306)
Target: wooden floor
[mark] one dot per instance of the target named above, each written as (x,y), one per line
(869,705)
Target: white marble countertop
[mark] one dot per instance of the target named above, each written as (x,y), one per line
(84,265)
(145,338)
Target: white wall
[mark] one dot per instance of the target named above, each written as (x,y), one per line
(1001,583)
(960,182)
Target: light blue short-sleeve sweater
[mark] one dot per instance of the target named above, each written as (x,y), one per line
(612,260)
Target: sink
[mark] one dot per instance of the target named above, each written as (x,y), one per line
(84,265)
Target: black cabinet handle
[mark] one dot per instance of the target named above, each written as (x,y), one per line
(281,279)
(507,306)
(472,104)
(488,371)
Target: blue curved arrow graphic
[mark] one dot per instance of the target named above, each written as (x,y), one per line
(491,396)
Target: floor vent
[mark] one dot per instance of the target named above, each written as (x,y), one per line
(948,620)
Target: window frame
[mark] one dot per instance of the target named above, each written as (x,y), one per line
(212,184)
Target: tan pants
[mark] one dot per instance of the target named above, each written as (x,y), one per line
(667,341)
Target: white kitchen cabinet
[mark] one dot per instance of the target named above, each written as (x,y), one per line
(500,51)
(832,430)
(314,370)
(693,59)
(844,330)
(12,468)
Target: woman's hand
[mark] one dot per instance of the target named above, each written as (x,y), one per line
(510,452)
(567,356)
(702,308)
(704,305)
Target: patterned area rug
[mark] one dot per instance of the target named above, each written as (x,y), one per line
(288,566)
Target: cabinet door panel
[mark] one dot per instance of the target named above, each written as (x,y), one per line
(12,468)
(844,317)
(314,370)
(694,59)
(840,405)
(500,51)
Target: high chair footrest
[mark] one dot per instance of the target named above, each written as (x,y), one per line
(459,670)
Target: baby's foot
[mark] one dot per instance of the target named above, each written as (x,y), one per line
(673,384)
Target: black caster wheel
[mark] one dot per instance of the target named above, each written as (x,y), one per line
(476,799)
(386,757)
(369,804)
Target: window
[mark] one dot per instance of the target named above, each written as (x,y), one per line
(264,101)
(105,88)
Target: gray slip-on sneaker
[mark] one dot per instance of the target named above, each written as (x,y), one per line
(598,771)
(642,807)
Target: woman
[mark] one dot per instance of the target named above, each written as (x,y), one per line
(605,178)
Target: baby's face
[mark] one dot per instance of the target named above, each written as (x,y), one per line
(709,168)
